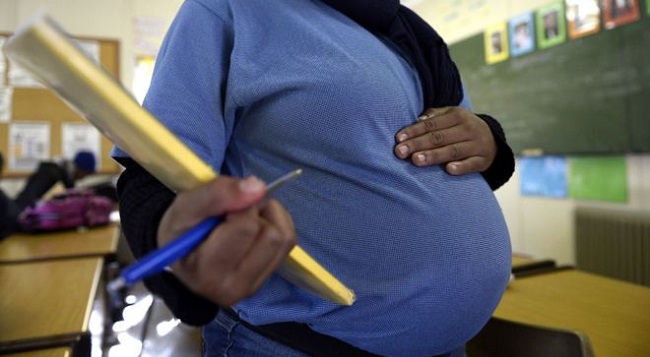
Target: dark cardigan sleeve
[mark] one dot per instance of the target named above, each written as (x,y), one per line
(143,200)
(504,163)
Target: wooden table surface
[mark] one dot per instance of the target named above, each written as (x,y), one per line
(614,314)
(520,260)
(50,352)
(49,298)
(23,247)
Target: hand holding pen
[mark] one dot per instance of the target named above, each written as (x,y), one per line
(249,242)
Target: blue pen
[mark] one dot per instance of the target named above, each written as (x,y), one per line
(158,260)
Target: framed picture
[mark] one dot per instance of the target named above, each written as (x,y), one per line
(551,27)
(522,34)
(496,43)
(620,12)
(583,17)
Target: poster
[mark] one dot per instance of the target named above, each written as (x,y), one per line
(496,43)
(521,30)
(620,12)
(29,144)
(598,178)
(80,136)
(551,28)
(583,17)
(543,176)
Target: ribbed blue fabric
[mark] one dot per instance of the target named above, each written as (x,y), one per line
(263,87)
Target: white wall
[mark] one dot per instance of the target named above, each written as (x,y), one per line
(538,226)
(542,227)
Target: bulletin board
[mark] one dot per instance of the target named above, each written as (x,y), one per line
(40,105)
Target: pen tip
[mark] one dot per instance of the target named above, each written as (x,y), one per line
(116,284)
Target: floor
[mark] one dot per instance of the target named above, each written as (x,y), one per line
(146,328)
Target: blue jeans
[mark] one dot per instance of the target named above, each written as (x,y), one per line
(227,337)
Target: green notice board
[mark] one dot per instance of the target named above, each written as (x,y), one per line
(584,96)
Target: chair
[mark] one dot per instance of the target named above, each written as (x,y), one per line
(503,338)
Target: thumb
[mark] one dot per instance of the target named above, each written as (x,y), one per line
(220,196)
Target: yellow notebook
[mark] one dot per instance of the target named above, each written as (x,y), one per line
(42,48)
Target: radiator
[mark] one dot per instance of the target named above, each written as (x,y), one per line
(613,243)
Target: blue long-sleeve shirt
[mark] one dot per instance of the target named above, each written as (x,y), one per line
(263,87)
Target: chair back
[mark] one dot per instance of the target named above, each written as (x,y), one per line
(505,338)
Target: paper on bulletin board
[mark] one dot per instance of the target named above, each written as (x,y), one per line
(3,62)
(544,176)
(18,77)
(598,178)
(29,144)
(80,136)
(6,98)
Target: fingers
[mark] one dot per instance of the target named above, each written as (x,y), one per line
(276,241)
(430,113)
(469,165)
(445,138)
(240,254)
(445,135)
(445,154)
(224,194)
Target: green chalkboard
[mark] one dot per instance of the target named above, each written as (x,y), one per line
(584,96)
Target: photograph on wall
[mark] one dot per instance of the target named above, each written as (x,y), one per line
(544,176)
(620,12)
(521,31)
(551,28)
(496,43)
(80,136)
(29,144)
(583,18)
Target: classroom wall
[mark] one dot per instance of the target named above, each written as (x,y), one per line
(541,227)
(138,25)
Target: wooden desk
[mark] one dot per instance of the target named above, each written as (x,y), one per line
(521,260)
(50,352)
(97,241)
(614,314)
(47,301)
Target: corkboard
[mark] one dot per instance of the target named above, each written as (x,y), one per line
(43,105)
